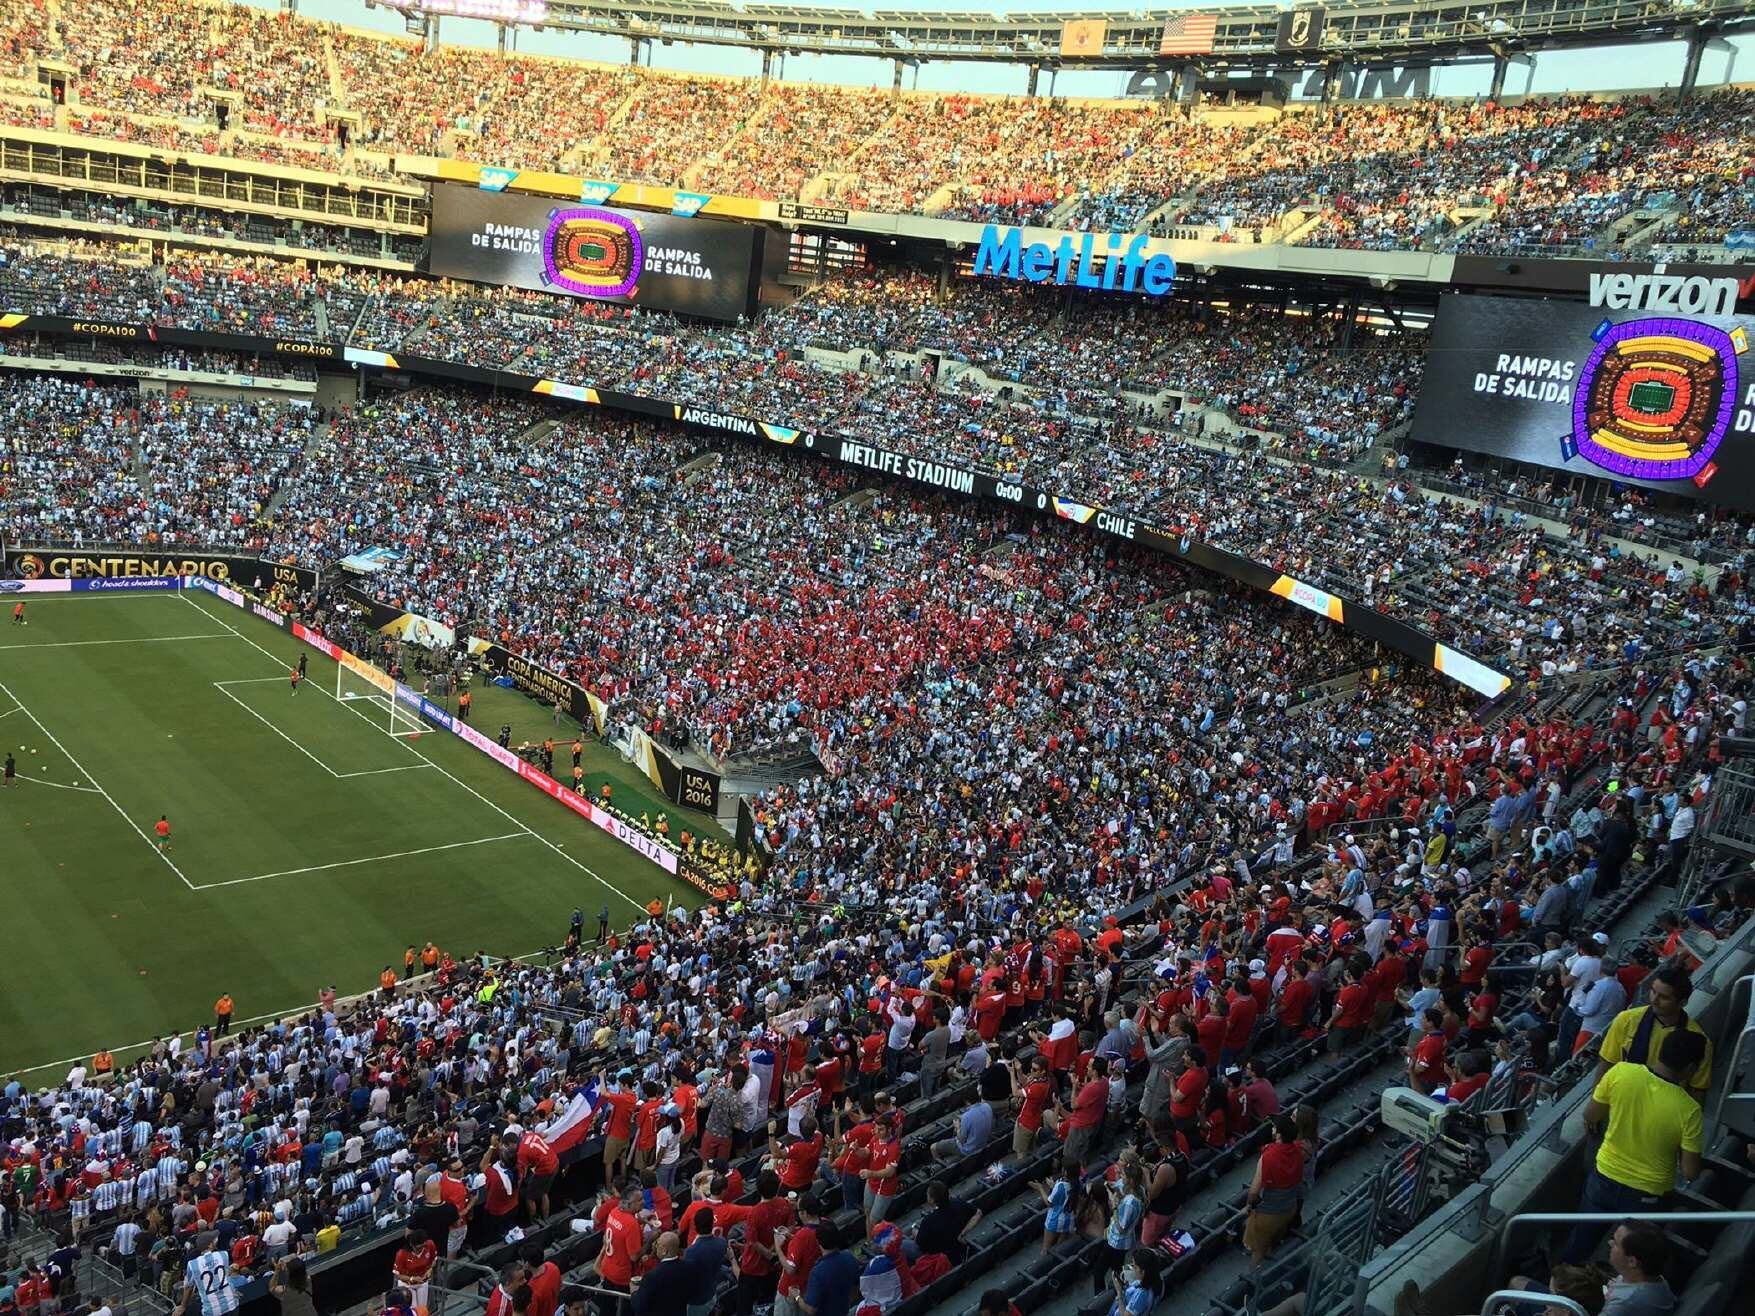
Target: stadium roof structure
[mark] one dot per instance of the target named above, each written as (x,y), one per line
(1247,37)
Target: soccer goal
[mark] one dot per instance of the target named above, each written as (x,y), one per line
(368,693)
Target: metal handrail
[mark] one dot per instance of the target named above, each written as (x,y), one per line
(1730,1073)
(1526,1295)
(1512,1223)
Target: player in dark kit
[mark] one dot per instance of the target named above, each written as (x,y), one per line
(10,771)
(303,659)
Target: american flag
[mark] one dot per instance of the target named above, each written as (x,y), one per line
(1188,34)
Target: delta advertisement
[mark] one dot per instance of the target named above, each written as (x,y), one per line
(632,257)
(1650,381)
(117,567)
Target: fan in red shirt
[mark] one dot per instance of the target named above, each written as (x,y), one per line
(1296,997)
(882,1173)
(620,1102)
(544,1279)
(413,1266)
(537,1164)
(1352,1012)
(759,1262)
(622,1244)
(797,1162)
(799,1250)
(1426,1064)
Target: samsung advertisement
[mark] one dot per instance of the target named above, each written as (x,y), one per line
(1642,386)
(632,257)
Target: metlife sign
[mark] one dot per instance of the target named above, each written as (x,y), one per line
(1118,262)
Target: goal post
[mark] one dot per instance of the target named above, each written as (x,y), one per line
(372,695)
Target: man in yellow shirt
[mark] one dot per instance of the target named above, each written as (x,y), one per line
(1638,1034)
(1646,1116)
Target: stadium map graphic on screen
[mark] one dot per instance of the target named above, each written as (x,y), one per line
(1662,401)
(635,257)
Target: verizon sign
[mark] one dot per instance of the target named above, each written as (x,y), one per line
(1672,293)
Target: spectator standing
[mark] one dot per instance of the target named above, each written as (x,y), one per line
(1274,1189)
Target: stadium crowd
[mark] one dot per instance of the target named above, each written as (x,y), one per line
(1544,173)
(1079,893)
(1060,393)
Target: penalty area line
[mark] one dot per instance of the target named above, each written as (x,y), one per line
(443,772)
(369,859)
(97,786)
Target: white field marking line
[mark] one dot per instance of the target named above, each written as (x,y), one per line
(9,712)
(582,867)
(169,862)
(276,730)
(339,776)
(369,859)
(138,639)
(58,785)
(291,1012)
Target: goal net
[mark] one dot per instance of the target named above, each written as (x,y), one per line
(368,692)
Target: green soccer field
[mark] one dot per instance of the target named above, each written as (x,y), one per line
(309,846)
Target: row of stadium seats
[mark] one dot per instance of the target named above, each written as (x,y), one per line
(1539,175)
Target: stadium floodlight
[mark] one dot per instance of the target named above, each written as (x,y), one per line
(493,11)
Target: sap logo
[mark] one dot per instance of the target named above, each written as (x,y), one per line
(595,194)
(688,204)
(1657,291)
(496,180)
(1012,493)
(1002,253)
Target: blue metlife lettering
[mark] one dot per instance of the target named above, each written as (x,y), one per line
(1126,266)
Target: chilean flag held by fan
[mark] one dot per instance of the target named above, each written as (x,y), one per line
(569,1128)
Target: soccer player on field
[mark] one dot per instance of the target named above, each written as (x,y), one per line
(303,659)
(10,771)
(18,613)
(297,676)
(163,828)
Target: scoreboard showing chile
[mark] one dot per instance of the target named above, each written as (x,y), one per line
(1628,391)
(634,257)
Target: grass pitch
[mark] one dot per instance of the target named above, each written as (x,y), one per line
(308,845)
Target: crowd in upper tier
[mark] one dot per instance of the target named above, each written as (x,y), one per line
(1135,407)
(1536,174)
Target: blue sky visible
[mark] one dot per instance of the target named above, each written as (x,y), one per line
(1635,67)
